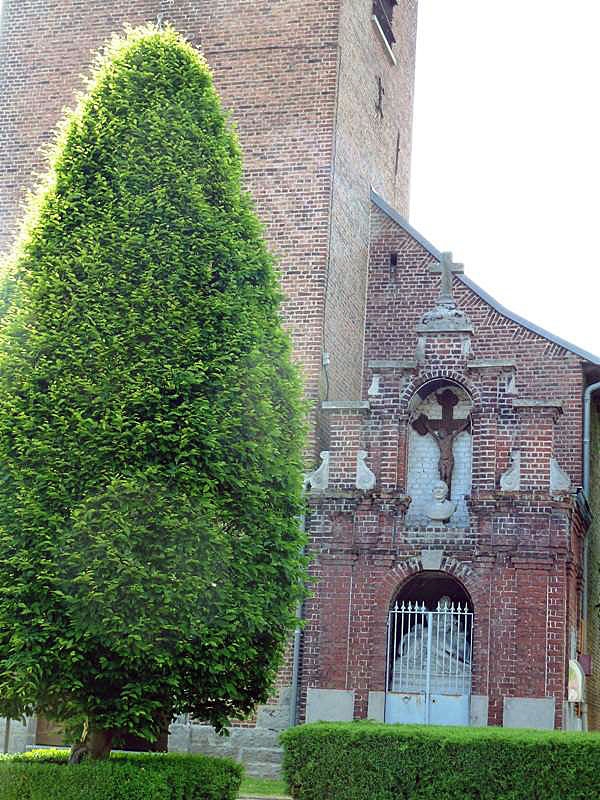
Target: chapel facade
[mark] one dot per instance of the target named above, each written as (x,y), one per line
(446,523)
(448,530)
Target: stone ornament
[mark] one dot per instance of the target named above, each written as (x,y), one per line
(559,480)
(365,479)
(318,480)
(440,509)
(510,481)
(375,387)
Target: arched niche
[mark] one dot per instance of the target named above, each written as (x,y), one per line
(430,637)
(439,448)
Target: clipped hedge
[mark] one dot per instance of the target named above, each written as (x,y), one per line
(44,775)
(372,761)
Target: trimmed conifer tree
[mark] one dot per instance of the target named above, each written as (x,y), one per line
(150,418)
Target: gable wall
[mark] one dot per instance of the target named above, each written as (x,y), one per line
(518,554)
(544,370)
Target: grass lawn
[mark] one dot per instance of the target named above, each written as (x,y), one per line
(263,786)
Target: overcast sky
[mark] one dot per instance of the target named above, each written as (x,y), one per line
(506,152)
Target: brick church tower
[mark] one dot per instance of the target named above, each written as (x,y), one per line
(321,93)
(447,529)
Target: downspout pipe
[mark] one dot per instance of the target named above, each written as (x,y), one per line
(587,405)
(296,652)
(6,735)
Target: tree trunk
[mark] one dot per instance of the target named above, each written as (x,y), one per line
(95,744)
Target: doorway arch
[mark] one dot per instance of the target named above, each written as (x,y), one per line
(429,651)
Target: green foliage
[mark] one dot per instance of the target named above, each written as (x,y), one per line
(150,416)
(44,775)
(371,761)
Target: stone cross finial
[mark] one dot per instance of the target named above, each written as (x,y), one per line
(446,297)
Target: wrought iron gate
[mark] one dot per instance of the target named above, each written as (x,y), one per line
(428,678)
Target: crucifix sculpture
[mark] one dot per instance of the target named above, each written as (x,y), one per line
(444,431)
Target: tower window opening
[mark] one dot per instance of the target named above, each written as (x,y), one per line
(383,11)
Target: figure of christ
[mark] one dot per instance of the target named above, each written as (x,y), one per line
(444,432)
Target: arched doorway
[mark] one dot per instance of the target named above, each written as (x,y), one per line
(429,652)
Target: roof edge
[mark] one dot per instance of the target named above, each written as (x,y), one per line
(391,212)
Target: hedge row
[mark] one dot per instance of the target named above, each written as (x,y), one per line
(371,761)
(44,775)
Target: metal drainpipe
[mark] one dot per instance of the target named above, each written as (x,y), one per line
(6,734)
(296,651)
(587,402)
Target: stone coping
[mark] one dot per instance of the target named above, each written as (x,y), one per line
(491,363)
(345,405)
(517,403)
(445,327)
(392,363)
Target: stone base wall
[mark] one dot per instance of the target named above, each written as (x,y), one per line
(21,735)
(257,748)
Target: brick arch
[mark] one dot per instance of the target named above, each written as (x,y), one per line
(403,571)
(389,586)
(415,383)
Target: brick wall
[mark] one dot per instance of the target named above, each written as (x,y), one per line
(301,82)
(519,556)
(370,148)
(544,371)
(275,67)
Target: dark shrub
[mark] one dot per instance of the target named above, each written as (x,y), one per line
(370,761)
(45,775)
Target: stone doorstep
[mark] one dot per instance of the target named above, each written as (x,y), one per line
(265,797)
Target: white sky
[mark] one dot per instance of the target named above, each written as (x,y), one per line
(506,152)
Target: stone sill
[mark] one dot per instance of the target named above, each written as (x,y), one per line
(492,363)
(538,404)
(391,363)
(445,327)
(345,405)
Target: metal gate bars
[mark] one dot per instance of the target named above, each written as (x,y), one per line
(429,663)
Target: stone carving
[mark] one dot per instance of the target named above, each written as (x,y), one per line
(440,509)
(365,479)
(374,388)
(444,432)
(446,315)
(510,481)
(432,559)
(511,383)
(318,480)
(559,480)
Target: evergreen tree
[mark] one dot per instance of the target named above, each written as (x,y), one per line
(150,418)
